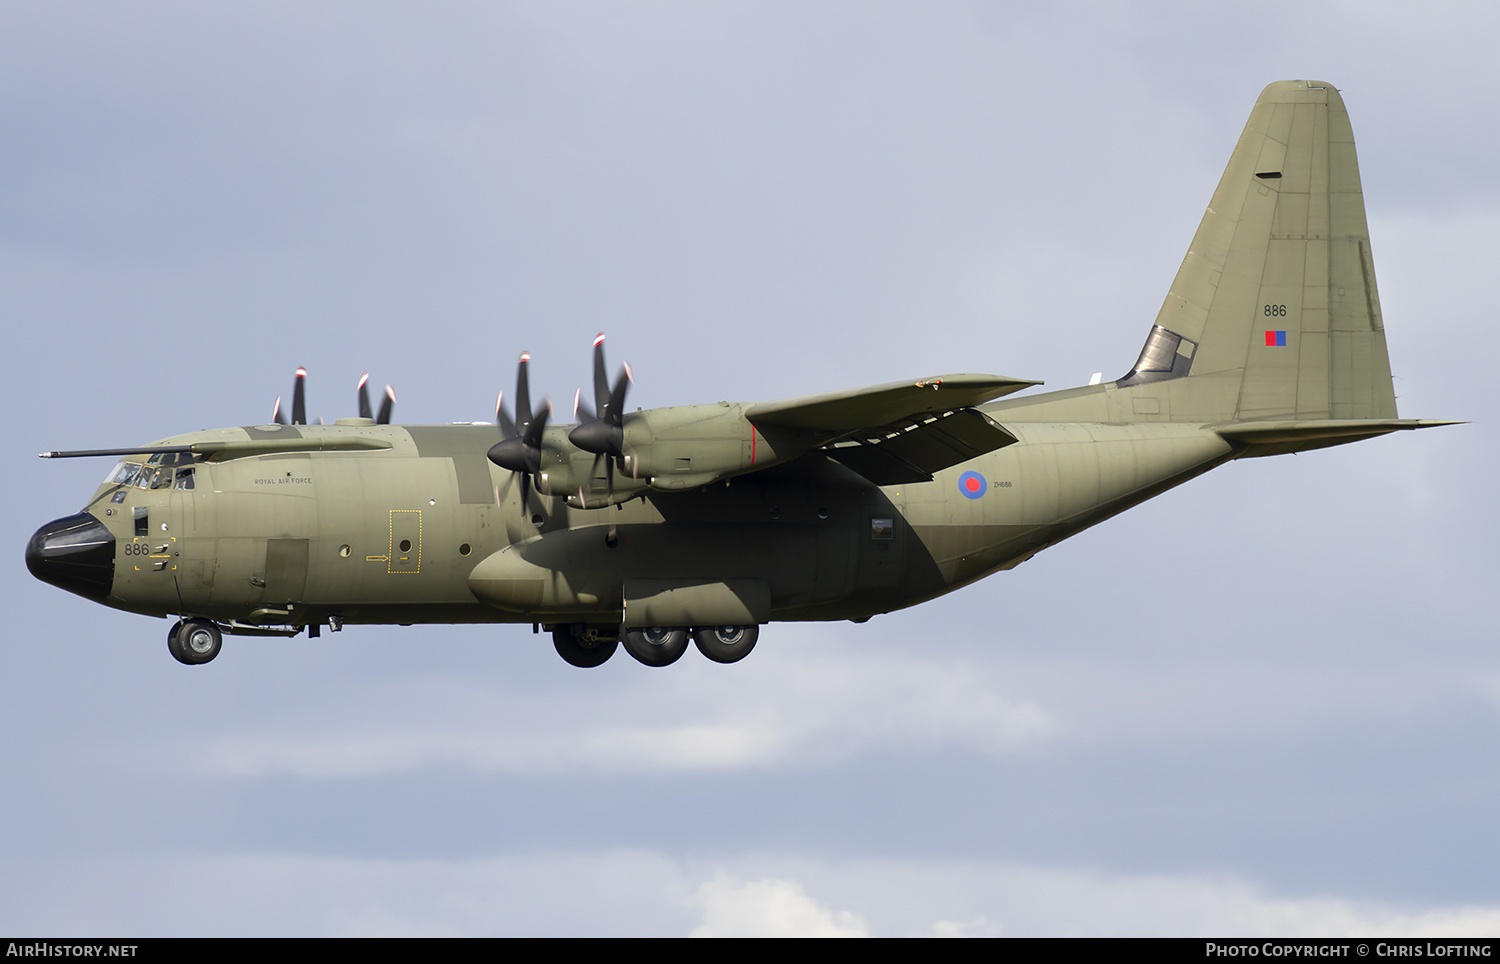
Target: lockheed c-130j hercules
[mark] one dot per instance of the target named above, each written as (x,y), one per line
(626,528)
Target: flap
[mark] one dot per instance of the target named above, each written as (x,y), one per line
(913,450)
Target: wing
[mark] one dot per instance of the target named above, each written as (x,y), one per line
(901,432)
(863,408)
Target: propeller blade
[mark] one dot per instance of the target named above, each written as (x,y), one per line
(507,427)
(299,398)
(384,418)
(276,415)
(534,430)
(581,407)
(364,397)
(523,391)
(601,381)
(616,413)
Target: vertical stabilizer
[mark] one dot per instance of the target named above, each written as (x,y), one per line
(1274,313)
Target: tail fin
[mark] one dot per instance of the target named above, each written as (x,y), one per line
(1274,313)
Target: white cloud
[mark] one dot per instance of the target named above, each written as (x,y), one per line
(644,893)
(768,908)
(805,703)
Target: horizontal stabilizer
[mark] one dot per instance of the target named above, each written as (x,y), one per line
(1278,438)
(869,408)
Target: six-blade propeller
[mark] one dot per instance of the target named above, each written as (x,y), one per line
(299,402)
(388,403)
(521,448)
(601,429)
(604,433)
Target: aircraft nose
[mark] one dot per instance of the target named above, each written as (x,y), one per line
(76,553)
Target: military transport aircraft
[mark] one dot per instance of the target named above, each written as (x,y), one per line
(707,521)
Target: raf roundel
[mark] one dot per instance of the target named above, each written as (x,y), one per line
(972,485)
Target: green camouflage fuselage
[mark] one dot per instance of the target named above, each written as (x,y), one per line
(312,534)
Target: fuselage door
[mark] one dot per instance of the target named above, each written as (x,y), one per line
(405,552)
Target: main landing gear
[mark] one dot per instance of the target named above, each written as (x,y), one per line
(194,641)
(584,646)
(656,645)
(587,646)
(726,644)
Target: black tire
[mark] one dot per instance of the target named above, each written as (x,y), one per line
(726,644)
(579,650)
(174,646)
(656,645)
(199,641)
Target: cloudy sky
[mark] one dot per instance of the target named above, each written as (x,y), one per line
(1266,703)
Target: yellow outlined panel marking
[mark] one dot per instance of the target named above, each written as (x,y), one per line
(406,526)
(160,558)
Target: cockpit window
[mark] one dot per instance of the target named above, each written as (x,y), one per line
(126,473)
(153,475)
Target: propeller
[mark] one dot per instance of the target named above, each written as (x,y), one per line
(299,402)
(603,433)
(521,448)
(388,403)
